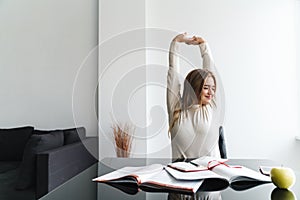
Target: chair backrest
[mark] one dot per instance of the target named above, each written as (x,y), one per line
(222,144)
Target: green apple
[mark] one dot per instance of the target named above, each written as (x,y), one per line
(282,177)
(282,194)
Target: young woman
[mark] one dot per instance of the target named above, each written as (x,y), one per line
(194,117)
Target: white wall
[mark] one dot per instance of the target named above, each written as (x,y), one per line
(297,24)
(253,43)
(122,73)
(43,48)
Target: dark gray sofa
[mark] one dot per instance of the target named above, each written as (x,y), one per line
(49,158)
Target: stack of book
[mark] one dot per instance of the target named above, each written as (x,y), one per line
(202,174)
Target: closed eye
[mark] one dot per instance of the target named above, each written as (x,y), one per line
(206,87)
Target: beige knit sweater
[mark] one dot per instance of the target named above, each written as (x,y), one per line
(193,135)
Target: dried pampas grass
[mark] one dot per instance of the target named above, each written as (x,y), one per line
(123,135)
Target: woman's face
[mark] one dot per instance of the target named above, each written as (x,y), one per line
(208,90)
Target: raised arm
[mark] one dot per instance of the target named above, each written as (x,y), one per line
(208,62)
(207,58)
(173,85)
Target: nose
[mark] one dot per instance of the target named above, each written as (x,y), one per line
(210,91)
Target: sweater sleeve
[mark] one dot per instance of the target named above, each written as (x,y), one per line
(173,85)
(207,58)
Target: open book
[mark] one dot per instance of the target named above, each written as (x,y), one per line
(215,171)
(149,178)
(203,174)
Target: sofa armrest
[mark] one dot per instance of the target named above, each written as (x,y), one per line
(56,166)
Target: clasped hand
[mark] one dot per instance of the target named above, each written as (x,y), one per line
(195,40)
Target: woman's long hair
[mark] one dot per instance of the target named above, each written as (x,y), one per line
(193,85)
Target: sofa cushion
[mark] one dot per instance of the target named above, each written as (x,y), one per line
(43,132)
(73,135)
(7,190)
(8,165)
(36,144)
(13,141)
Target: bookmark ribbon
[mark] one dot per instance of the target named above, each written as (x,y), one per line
(214,163)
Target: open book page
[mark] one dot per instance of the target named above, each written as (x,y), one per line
(210,180)
(232,173)
(237,174)
(195,175)
(130,174)
(164,181)
(206,160)
(187,167)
